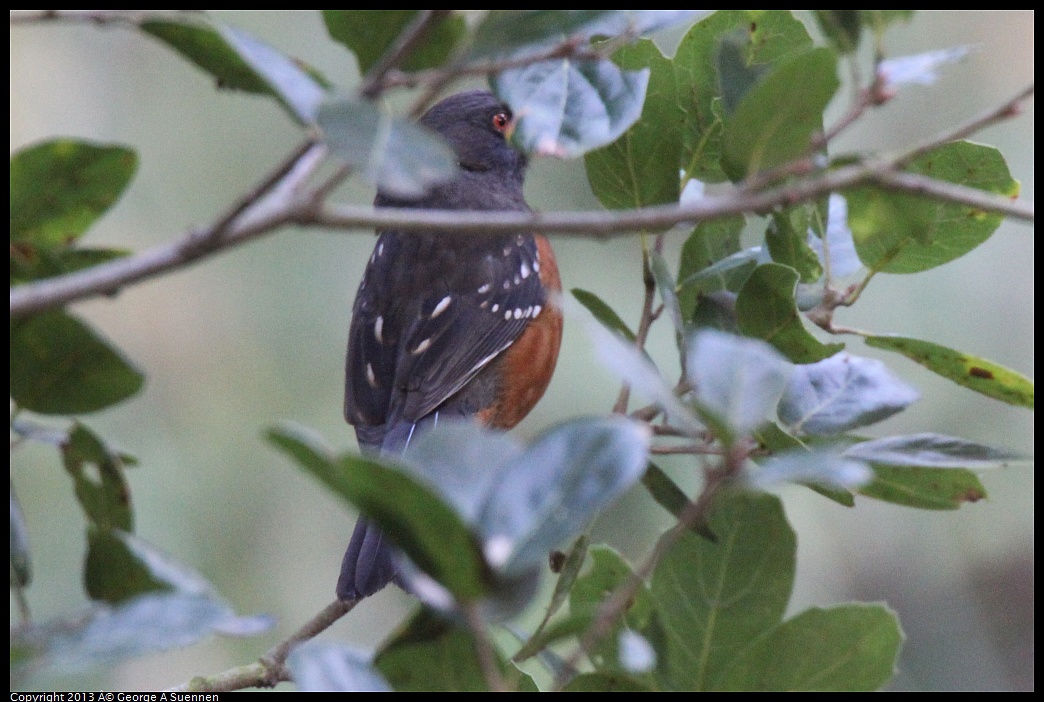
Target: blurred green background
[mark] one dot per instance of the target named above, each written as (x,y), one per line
(257,335)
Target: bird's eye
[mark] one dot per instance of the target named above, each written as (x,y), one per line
(501,122)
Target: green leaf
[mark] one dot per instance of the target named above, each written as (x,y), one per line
(632,171)
(59,188)
(413,516)
(603,312)
(777,119)
(924,488)
(520,32)
(607,572)
(293,86)
(106,635)
(605,682)
(786,239)
(919,69)
(822,467)
(973,372)
(710,243)
(568,573)
(771,437)
(21,559)
(631,366)
(772,35)
(848,648)
(932,451)
(735,77)
(431,655)
(105,501)
(567,107)
(664,490)
(905,233)
(241,62)
(322,666)
(767,310)
(666,286)
(841,393)
(739,380)
(713,600)
(121,566)
(60,366)
(461,461)
(835,240)
(717,310)
(397,155)
(370,33)
(841,27)
(204,46)
(548,494)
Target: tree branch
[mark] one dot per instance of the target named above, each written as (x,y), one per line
(304,211)
(270,669)
(375,81)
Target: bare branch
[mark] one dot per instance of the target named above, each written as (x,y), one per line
(110,277)
(484,648)
(375,81)
(270,670)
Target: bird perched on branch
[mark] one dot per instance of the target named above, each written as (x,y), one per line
(446,324)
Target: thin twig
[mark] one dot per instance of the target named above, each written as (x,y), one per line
(940,190)
(270,669)
(484,648)
(613,607)
(375,81)
(986,118)
(686,450)
(620,407)
(100,17)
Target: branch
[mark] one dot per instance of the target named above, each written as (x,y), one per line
(265,209)
(376,81)
(109,277)
(92,16)
(270,670)
(1007,110)
(949,192)
(612,608)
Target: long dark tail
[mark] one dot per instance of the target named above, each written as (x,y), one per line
(368,564)
(370,561)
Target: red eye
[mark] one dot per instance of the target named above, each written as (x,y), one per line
(501,121)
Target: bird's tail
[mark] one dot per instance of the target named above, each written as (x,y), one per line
(370,562)
(368,565)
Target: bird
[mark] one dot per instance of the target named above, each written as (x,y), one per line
(449,324)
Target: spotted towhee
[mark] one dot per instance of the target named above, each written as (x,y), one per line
(449,325)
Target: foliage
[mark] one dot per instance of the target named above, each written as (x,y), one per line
(762,400)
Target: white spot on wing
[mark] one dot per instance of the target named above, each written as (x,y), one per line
(536,266)
(378,327)
(518,313)
(370,377)
(524,270)
(507,314)
(495,308)
(380,249)
(484,289)
(441,307)
(536,310)
(422,347)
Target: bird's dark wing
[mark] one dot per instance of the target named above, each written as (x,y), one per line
(423,326)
